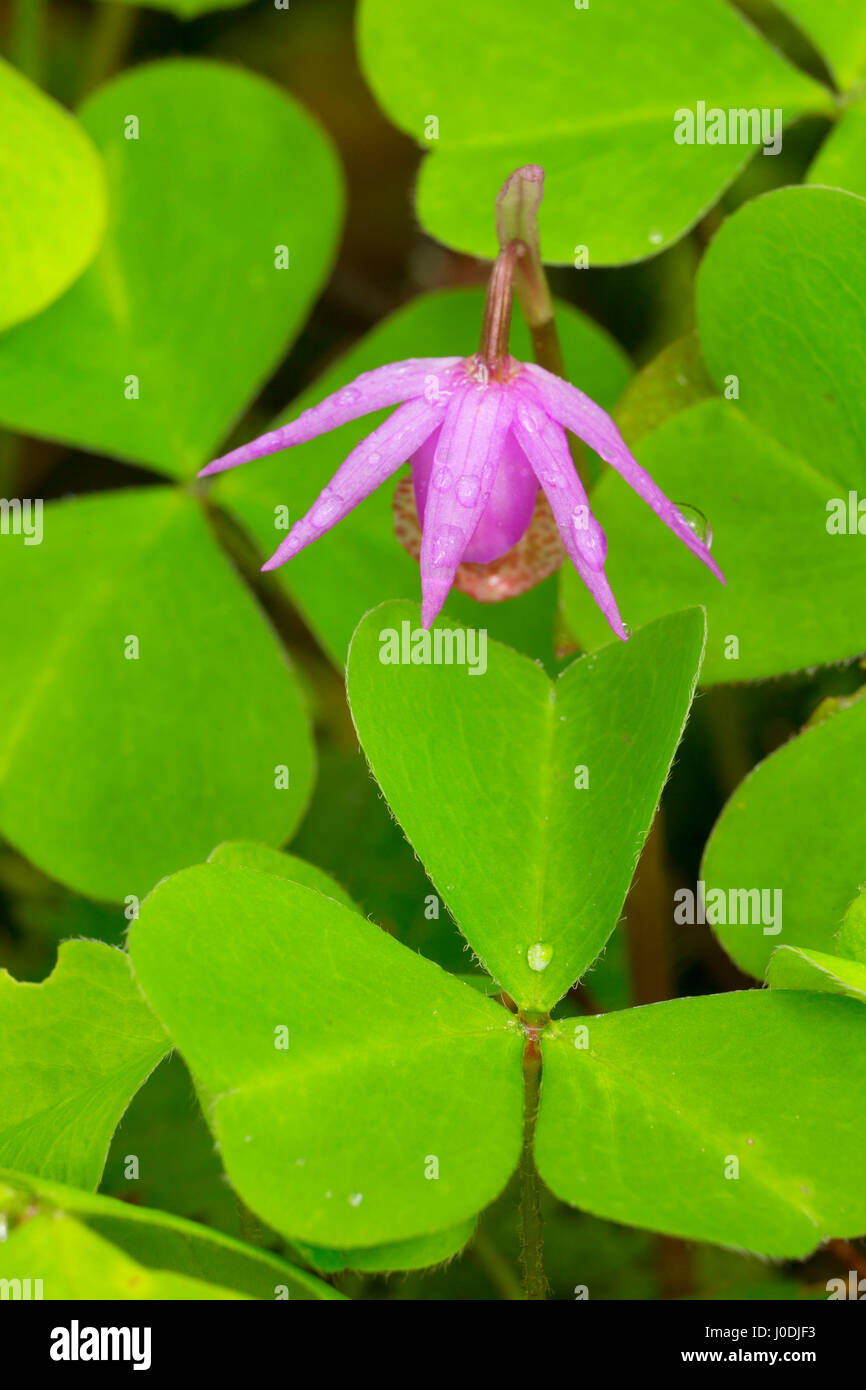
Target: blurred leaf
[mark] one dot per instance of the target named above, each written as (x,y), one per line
(52,210)
(170,1255)
(421,1253)
(841,161)
(522,854)
(187,9)
(808,794)
(642,1125)
(769,471)
(361,563)
(178,1168)
(115,771)
(390,1063)
(76,1049)
(75,1263)
(793,968)
(185,295)
(838,31)
(591,95)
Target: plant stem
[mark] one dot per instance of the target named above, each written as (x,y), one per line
(531,1225)
(28,30)
(496,1267)
(111,36)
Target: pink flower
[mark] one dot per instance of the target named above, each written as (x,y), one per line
(480,444)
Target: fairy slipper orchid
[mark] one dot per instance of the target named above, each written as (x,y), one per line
(482,434)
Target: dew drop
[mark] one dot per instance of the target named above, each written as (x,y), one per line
(539,956)
(326,510)
(528,418)
(442,479)
(355,1199)
(696,522)
(656,238)
(447,546)
(349,396)
(468,489)
(374,458)
(627,629)
(590,538)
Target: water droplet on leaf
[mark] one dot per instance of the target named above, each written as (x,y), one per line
(539,956)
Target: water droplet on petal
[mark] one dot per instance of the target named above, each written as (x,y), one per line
(355,1199)
(374,458)
(442,479)
(326,510)
(539,956)
(627,629)
(696,522)
(468,489)
(529,418)
(448,546)
(349,396)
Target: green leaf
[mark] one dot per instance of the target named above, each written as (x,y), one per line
(247,854)
(592,95)
(116,771)
(421,1253)
(482,773)
(674,380)
(185,296)
(852,934)
(838,31)
(793,257)
(841,160)
(75,1263)
(641,1124)
(77,1048)
(390,1063)
(809,793)
(361,563)
(160,1244)
(772,470)
(52,212)
(793,968)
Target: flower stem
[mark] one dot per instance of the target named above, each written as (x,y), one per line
(531,1225)
(496,325)
(517,221)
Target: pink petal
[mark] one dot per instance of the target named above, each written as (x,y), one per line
(368,465)
(595,427)
(398,381)
(545,445)
(464,472)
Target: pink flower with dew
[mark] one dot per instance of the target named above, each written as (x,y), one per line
(482,434)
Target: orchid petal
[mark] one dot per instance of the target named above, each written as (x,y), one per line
(470,447)
(372,461)
(546,447)
(385,386)
(594,426)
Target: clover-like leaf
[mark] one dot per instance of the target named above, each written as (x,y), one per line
(75,1050)
(344,1072)
(791,838)
(248,854)
(361,563)
(792,967)
(838,31)
(52,208)
(731,1118)
(226,203)
(773,470)
(141,1249)
(146,708)
(527,801)
(591,93)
